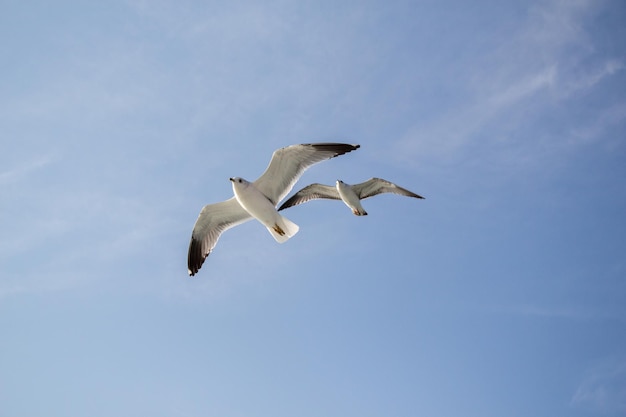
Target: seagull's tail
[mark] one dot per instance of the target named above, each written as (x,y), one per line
(283,229)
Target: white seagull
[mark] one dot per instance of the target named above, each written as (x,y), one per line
(350,194)
(258,199)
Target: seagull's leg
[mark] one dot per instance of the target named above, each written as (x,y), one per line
(278,230)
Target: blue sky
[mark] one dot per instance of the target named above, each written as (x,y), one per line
(501,294)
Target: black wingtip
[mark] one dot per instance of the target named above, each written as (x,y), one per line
(195,258)
(338,148)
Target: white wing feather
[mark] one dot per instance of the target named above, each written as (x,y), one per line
(375,186)
(289,163)
(311,192)
(213,220)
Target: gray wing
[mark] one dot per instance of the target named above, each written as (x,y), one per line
(375,186)
(212,221)
(289,163)
(311,192)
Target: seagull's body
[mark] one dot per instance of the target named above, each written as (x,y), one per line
(258,199)
(351,195)
(346,193)
(262,209)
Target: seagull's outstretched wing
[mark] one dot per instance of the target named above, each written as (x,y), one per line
(212,221)
(288,164)
(375,186)
(311,192)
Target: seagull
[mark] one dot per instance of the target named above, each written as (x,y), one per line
(258,199)
(350,194)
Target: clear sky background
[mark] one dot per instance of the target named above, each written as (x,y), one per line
(503,293)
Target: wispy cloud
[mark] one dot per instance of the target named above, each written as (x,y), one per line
(608,120)
(549,61)
(65,228)
(21,170)
(82,238)
(603,390)
(587,78)
(524,87)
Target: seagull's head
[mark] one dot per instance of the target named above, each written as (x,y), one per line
(339,182)
(239,182)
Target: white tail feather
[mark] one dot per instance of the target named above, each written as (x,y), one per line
(287,226)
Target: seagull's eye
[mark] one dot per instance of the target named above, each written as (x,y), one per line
(239,180)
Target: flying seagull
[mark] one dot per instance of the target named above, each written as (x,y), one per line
(258,199)
(350,194)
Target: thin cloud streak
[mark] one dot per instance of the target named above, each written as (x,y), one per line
(80,233)
(20,172)
(517,92)
(587,80)
(531,68)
